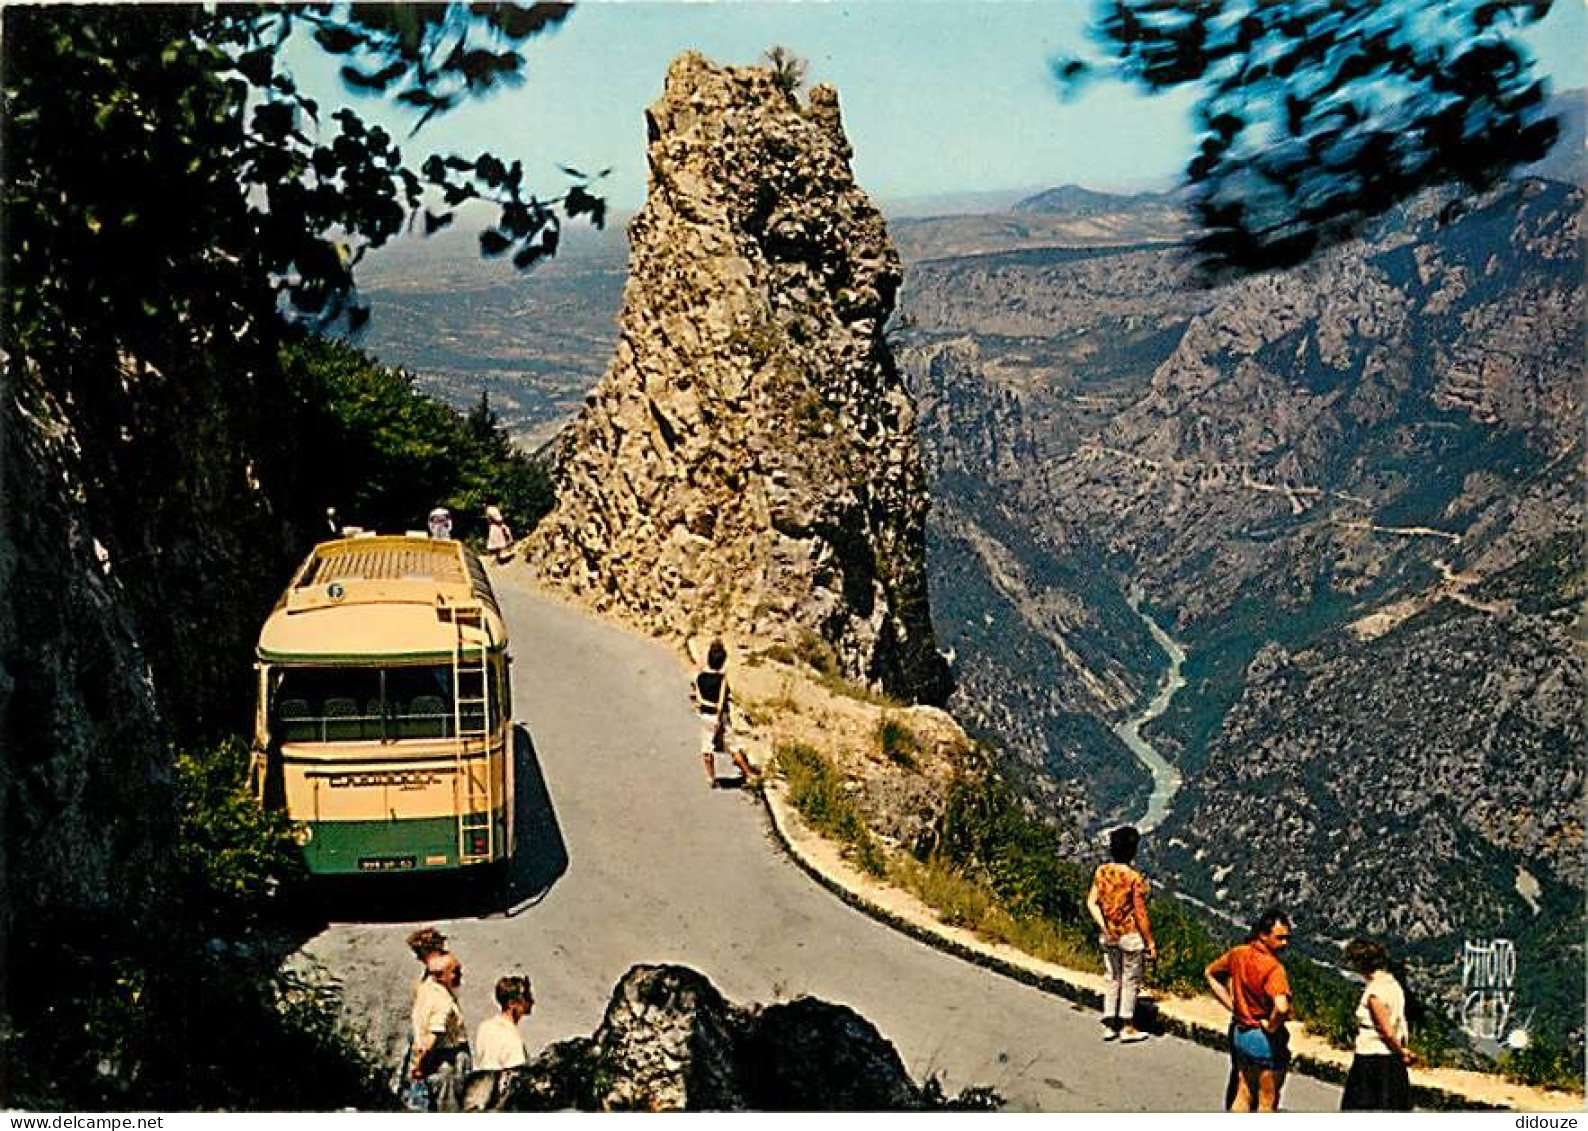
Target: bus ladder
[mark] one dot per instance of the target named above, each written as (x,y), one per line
(471,719)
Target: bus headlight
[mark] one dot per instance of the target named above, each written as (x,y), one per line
(303,834)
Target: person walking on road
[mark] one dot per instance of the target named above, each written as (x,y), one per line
(499,538)
(426,943)
(441,1043)
(1252,984)
(1378,1080)
(1117,903)
(712,705)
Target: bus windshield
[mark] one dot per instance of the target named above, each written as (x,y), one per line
(365,704)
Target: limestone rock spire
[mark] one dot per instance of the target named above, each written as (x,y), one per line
(749,463)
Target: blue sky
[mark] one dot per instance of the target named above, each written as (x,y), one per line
(939,96)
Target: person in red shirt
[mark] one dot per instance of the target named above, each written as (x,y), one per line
(1251,983)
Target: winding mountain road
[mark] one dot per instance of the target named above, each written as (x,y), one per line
(645,864)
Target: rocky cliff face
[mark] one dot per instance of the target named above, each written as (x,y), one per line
(140,547)
(749,464)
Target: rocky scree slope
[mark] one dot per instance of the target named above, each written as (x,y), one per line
(749,463)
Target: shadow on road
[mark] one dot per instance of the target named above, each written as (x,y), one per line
(540,858)
(540,855)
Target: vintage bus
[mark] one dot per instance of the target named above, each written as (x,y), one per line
(384,723)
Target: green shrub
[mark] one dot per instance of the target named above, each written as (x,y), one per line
(817,792)
(815,653)
(897,742)
(1324,999)
(233,857)
(1185,947)
(1544,1063)
(988,834)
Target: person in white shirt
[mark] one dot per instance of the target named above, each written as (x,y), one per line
(1378,1080)
(498,1048)
(426,943)
(497,1044)
(441,1043)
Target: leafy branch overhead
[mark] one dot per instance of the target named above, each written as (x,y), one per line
(184,148)
(428,57)
(1317,115)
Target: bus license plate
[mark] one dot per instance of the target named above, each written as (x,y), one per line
(384,863)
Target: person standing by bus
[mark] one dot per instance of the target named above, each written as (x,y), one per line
(1252,984)
(712,705)
(1117,903)
(440,523)
(441,1043)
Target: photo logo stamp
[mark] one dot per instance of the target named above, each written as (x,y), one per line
(1488,984)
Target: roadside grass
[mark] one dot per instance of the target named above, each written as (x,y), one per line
(817,792)
(963,902)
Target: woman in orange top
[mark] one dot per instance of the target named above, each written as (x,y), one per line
(1117,903)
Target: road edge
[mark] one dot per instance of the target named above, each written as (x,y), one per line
(822,861)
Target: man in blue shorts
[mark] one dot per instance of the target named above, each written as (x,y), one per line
(1251,983)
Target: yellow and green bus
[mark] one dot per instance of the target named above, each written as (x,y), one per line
(384,721)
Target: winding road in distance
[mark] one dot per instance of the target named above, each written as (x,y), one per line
(648,865)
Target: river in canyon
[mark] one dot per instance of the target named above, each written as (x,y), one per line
(1165,775)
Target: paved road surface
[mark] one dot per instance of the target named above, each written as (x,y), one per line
(646,864)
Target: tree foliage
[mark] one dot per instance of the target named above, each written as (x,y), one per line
(165,172)
(389,453)
(788,69)
(1317,115)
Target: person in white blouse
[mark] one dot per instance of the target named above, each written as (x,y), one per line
(1378,1080)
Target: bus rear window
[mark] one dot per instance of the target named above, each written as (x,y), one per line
(363,704)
